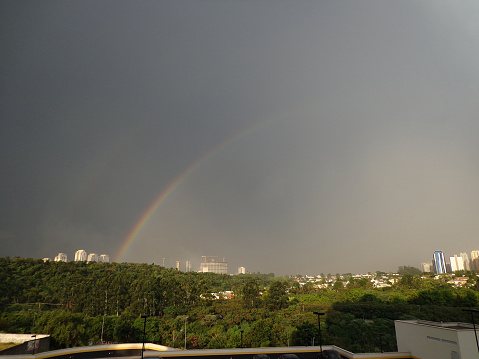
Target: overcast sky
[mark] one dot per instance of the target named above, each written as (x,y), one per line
(297,136)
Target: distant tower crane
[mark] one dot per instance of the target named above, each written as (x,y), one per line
(205,257)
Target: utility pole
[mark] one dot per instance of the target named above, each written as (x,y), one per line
(144,331)
(319,314)
(472,311)
(186,319)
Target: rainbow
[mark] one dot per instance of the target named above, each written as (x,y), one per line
(132,235)
(172,186)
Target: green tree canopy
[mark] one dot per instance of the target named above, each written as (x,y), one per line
(403,270)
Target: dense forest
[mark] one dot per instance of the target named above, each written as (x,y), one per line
(82,303)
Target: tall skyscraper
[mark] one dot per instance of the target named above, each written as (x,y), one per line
(475,260)
(80,255)
(456,263)
(178,265)
(187,266)
(439,262)
(61,257)
(92,257)
(426,267)
(465,261)
(241,270)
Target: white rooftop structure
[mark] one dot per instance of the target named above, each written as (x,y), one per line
(433,340)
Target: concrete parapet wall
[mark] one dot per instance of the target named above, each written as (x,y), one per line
(25,343)
(19,338)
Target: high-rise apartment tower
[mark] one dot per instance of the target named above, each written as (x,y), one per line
(439,262)
(456,263)
(80,255)
(465,260)
(475,260)
(61,257)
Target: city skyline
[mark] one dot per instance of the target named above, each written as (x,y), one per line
(456,262)
(438,265)
(294,137)
(80,256)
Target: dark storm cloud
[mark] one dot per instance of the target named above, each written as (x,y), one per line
(359,131)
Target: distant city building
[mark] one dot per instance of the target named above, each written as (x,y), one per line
(92,257)
(426,267)
(465,261)
(177,265)
(46,259)
(214,267)
(187,266)
(105,258)
(456,263)
(61,257)
(439,262)
(241,270)
(475,260)
(80,255)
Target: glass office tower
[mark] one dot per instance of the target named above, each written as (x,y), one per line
(439,262)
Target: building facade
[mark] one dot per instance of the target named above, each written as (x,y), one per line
(80,255)
(433,340)
(466,261)
(457,263)
(439,262)
(475,260)
(61,257)
(426,267)
(214,267)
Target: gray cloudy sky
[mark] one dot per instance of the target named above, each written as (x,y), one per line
(329,136)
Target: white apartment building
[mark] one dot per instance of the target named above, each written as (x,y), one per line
(466,261)
(104,258)
(456,263)
(92,257)
(475,260)
(61,257)
(80,255)
(426,267)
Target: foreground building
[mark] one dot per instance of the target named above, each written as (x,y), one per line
(433,340)
(416,339)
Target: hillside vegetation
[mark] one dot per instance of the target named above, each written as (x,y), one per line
(82,303)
